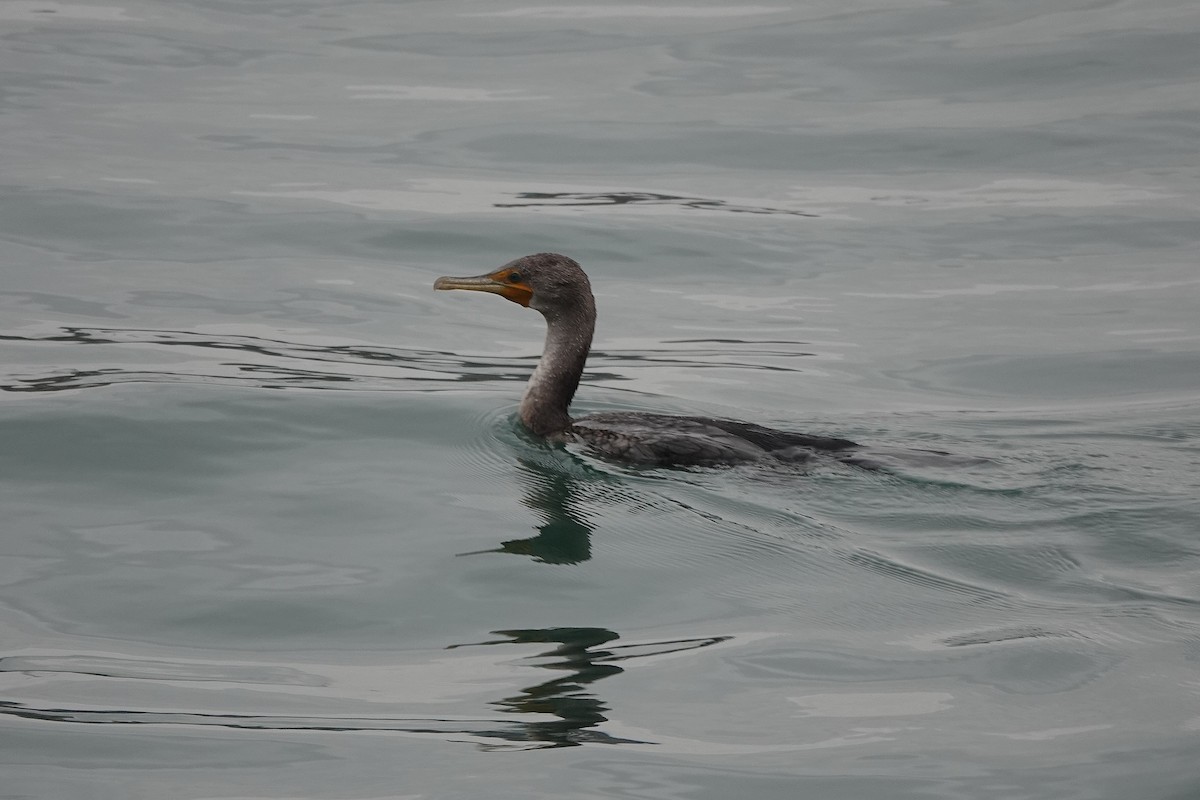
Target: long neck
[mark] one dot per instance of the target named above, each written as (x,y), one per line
(552,385)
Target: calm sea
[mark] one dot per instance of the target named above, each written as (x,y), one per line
(270,529)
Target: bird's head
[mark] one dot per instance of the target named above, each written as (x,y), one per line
(548,282)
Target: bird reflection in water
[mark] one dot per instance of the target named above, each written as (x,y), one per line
(557,488)
(554,494)
(559,712)
(579,659)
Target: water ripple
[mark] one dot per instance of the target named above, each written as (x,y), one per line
(343,363)
(559,711)
(361,366)
(576,199)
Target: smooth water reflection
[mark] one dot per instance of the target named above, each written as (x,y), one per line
(554,495)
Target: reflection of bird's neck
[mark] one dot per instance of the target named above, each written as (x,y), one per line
(552,385)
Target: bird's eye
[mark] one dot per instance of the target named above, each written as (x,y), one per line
(515,277)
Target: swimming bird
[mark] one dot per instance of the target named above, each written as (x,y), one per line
(557,286)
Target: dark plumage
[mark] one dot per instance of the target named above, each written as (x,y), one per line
(558,288)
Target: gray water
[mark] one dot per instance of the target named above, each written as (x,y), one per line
(271,529)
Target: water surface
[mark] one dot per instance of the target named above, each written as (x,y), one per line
(273,531)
